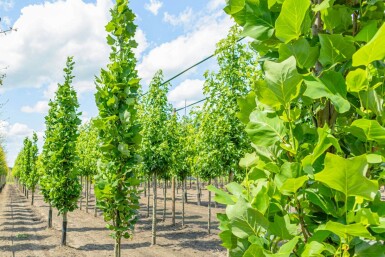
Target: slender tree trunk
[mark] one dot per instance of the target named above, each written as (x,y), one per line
(148,196)
(173,200)
(185,191)
(190,182)
(216,185)
(50,216)
(64,230)
(183,201)
(27,192)
(81,194)
(153,233)
(117,248)
(145,189)
(198,192)
(177,185)
(209,210)
(87,183)
(164,199)
(32,196)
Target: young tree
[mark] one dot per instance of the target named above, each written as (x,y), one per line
(116,97)
(87,151)
(64,187)
(316,123)
(47,162)
(222,139)
(3,168)
(33,177)
(155,148)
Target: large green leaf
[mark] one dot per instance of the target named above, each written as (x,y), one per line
(368,130)
(357,80)
(282,227)
(248,223)
(288,25)
(367,32)
(221,196)
(348,176)
(263,130)
(283,79)
(372,101)
(291,185)
(234,6)
(335,49)
(332,86)
(370,250)
(313,249)
(305,55)
(246,105)
(344,231)
(374,50)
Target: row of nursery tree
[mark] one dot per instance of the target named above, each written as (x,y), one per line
(4,170)
(137,138)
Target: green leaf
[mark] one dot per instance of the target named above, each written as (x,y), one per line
(221,196)
(332,86)
(282,228)
(368,130)
(348,176)
(291,185)
(283,79)
(337,18)
(228,239)
(247,224)
(249,160)
(357,80)
(344,231)
(234,6)
(246,105)
(110,40)
(313,249)
(286,249)
(370,250)
(305,55)
(265,131)
(288,25)
(372,101)
(323,5)
(374,50)
(367,32)
(335,49)
(254,251)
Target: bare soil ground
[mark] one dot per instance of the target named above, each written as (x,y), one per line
(23,230)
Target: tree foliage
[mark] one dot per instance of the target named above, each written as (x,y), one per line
(87,150)
(316,124)
(221,137)
(116,97)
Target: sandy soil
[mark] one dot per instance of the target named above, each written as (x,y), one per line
(23,231)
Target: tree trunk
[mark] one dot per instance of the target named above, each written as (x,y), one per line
(117,248)
(50,216)
(190,182)
(81,194)
(27,192)
(153,233)
(148,196)
(216,185)
(177,185)
(164,199)
(145,189)
(87,193)
(183,201)
(209,210)
(64,230)
(32,196)
(198,192)
(173,200)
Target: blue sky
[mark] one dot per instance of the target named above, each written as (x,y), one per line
(172,35)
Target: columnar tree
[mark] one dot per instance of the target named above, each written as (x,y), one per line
(222,139)
(116,97)
(155,146)
(316,123)
(63,184)
(47,161)
(3,168)
(33,177)
(87,151)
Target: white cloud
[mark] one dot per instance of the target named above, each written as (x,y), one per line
(6,4)
(153,6)
(143,44)
(215,4)
(185,50)
(39,107)
(14,130)
(183,18)
(190,90)
(47,34)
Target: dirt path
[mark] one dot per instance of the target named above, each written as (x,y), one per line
(23,232)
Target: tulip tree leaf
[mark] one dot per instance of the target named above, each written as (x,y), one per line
(283,80)
(335,49)
(368,130)
(348,176)
(305,55)
(344,231)
(374,50)
(289,22)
